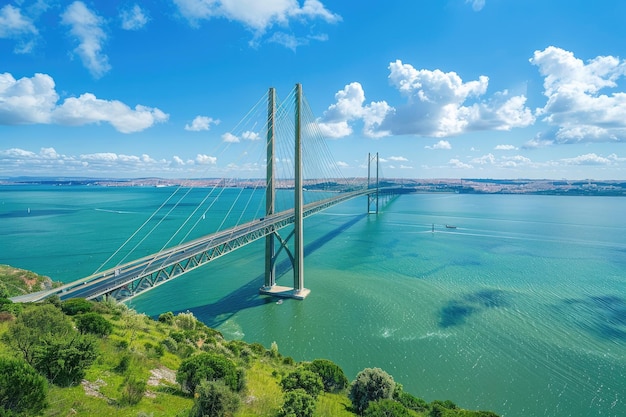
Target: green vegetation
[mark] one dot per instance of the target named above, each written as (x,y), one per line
(15,281)
(83,358)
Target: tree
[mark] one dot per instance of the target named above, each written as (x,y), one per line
(386,408)
(332,375)
(34,324)
(303,379)
(22,390)
(298,404)
(93,323)
(214,399)
(64,359)
(371,384)
(210,367)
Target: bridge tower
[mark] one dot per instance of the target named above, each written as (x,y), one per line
(372,199)
(297,257)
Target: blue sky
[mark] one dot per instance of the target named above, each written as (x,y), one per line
(439,88)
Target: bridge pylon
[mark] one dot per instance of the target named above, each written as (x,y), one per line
(297,257)
(372,199)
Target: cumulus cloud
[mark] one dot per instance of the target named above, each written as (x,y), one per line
(255,14)
(35,101)
(505,147)
(342,164)
(133,18)
(578,104)
(398,158)
(335,123)
(442,144)
(206,159)
(86,27)
(437,104)
(230,138)
(201,123)
(259,16)
(456,163)
(589,159)
(14,25)
(249,135)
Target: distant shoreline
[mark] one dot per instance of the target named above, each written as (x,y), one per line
(615,188)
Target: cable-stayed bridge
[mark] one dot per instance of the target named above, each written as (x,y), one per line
(322,184)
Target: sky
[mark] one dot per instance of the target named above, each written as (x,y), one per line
(439,88)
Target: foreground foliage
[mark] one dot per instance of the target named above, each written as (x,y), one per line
(83,358)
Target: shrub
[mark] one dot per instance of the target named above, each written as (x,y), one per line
(386,408)
(93,323)
(75,306)
(25,333)
(213,398)
(210,367)
(303,379)
(167,318)
(411,402)
(371,384)
(22,390)
(63,360)
(185,321)
(332,375)
(298,404)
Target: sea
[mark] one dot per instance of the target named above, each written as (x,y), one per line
(509,303)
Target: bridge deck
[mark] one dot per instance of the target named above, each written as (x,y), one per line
(126,281)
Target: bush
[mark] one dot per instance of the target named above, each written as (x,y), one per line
(371,384)
(75,306)
(303,379)
(93,323)
(34,323)
(332,375)
(210,367)
(386,408)
(22,390)
(63,360)
(298,404)
(411,402)
(213,398)
(167,318)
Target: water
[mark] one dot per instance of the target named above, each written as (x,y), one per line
(521,309)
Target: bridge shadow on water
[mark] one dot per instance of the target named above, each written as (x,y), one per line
(247,296)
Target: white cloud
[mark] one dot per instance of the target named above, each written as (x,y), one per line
(442,144)
(86,27)
(14,25)
(575,103)
(201,123)
(477,5)
(176,160)
(342,164)
(485,159)
(257,16)
(350,107)
(505,148)
(134,18)
(588,159)
(398,158)
(436,104)
(230,138)
(206,159)
(35,100)
(249,135)
(455,163)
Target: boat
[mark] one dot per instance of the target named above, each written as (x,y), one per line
(279,302)
(450,226)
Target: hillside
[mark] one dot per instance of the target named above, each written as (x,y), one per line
(105,359)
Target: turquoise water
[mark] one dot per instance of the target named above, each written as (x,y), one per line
(521,309)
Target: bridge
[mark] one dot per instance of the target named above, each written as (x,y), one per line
(127,280)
